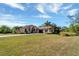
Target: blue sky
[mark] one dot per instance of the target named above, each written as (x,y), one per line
(20,14)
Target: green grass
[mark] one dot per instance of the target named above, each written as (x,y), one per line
(39,45)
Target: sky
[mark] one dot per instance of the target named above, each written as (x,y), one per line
(20,14)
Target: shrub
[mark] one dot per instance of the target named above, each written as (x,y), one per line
(68,34)
(5,29)
(64,34)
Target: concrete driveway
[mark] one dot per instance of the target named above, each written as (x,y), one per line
(10,35)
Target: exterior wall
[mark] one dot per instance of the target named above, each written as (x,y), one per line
(46,30)
(29,29)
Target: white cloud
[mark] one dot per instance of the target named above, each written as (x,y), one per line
(15,5)
(55,8)
(67,7)
(40,8)
(11,24)
(6,17)
(11,20)
(44,16)
(72,11)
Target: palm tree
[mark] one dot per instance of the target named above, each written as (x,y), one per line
(47,23)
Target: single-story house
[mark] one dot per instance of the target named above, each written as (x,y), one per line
(34,29)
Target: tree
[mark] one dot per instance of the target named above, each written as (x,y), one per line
(76,28)
(56,29)
(14,29)
(71,28)
(74,20)
(47,23)
(64,28)
(5,29)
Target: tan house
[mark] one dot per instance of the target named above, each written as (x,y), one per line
(45,29)
(34,29)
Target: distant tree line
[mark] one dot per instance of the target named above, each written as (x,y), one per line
(5,29)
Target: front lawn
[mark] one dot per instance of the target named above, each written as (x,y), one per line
(40,44)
